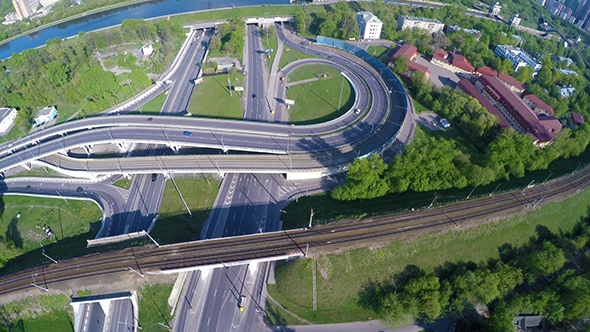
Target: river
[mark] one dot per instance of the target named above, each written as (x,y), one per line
(112,17)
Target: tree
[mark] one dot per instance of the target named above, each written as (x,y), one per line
(300,22)
(401,65)
(57,72)
(139,79)
(524,74)
(506,66)
(547,260)
(364,180)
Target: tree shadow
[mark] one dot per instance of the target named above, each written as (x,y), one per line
(275,321)
(13,234)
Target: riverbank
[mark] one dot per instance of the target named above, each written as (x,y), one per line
(71,18)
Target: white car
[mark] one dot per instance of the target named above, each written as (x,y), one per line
(445,123)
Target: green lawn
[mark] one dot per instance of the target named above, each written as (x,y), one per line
(123,183)
(289,55)
(254,11)
(269,40)
(72,222)
(153,307)
(153,106)
(312,71)
(212,97)
(419,107)
(65,112)
(276,316)
(174,225)
(39,313)
(378,51)
(341,277)
(317,101)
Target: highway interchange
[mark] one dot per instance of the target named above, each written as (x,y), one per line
(252,195)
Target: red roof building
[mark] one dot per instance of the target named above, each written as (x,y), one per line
(543,129)
(485,70)
(470,89)
(537,104)
(460,61)
(408,50)
(577,118)
(512,83)
(457,63)
(441,53)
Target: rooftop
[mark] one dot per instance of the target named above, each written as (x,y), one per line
(368,17)
(408,50)
(470,89)
(422,19)
(539,103)
(511,81)
(461,62)
(4,112)
(413,66)
(577,118)
(536,129)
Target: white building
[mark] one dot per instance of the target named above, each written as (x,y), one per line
(7,116)
(518,56)
(45,115)
(23,9)
(567,72)
(412,22)
(495,9)
(514,20)
(567,91)
(369,25)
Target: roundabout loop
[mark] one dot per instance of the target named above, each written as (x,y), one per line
(316,150)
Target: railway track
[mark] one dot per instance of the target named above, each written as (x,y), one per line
(339,234)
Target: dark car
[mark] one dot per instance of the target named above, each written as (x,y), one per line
(253,96)
(154,177)
(187,133)
(79,189)
(150,119)
(28,187)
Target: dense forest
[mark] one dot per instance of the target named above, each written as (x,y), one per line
(66,72)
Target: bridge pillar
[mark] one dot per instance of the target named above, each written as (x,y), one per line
(88,149)
(123,147)
(175,148)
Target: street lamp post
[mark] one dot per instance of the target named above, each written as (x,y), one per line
(229,82)
(133,93)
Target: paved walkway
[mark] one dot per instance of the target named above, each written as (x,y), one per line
(273,81)
(303,81)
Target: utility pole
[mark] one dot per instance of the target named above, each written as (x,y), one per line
(310,217)
(229,82)
(133,93)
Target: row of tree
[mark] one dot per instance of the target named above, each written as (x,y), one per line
(546,286)
(65,72)
(430,163)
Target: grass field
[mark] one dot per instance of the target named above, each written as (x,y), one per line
(123,183)
(153,307)
(419,108)
(378,51)
(289,55)
(312,71)
(341,277)
(72,222)
(317,101)
(269,40)
(254,11)
(153,106)
(212,97)
(174,225)
(39,313)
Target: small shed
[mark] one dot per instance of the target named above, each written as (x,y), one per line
(577,118)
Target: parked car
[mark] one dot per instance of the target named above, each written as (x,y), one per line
(445,123)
